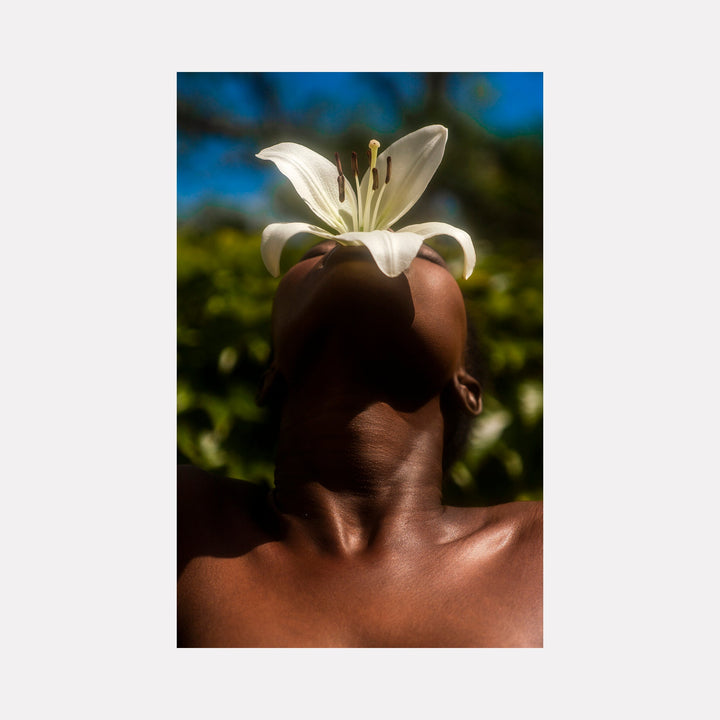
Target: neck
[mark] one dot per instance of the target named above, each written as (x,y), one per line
(354,475)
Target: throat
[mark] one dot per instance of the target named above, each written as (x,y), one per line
(362,474)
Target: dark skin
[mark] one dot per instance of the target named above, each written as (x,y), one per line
(354,548)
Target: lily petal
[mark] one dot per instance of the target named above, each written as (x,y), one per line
(276,235)
(433,229)
(392,251)
(316,181)
(415,158)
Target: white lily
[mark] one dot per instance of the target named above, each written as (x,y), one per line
(364,217)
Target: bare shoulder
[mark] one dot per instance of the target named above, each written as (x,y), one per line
(214,512)
(528,511)
(192,483)
(525,515)
(517,525)
(198,489)
(205,497)
(523,520)
(498,554)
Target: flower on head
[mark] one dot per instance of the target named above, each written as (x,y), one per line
(389,188)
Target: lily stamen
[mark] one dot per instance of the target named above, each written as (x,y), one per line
(358,225)
(341,178)
(373,146)
(380,194)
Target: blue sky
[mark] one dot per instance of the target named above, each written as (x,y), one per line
(221,171)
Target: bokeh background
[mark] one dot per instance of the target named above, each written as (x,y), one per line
(489,183)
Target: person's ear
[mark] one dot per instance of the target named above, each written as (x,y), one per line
(468,391)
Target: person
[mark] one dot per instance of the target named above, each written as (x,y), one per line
(354,547)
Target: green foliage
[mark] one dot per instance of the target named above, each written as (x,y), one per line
(224,304)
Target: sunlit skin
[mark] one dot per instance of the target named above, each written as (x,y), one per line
(355,548)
